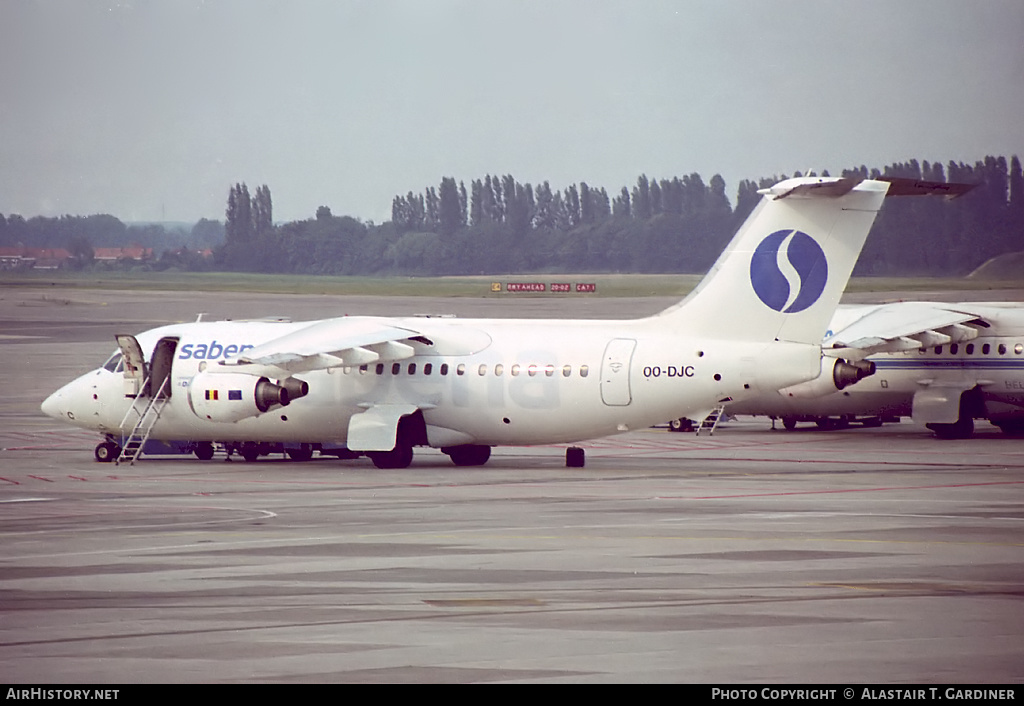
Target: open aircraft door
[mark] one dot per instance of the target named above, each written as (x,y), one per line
(615,390)
(136,382)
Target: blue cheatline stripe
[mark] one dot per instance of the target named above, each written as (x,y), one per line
(948,364)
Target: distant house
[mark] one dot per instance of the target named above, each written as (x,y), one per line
(50,258)
(11,258)
(20,257)
(135,253)
(183,252)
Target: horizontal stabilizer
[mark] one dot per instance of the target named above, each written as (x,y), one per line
(830,187)
(899,186)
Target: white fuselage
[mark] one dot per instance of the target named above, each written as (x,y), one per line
(523,382)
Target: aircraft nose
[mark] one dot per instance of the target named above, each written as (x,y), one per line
(53,405)
(59,404)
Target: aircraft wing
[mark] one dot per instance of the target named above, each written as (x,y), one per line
(900,326)
(355,340)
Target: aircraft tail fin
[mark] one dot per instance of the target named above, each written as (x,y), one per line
(782,275)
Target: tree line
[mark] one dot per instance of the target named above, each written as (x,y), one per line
(498,225)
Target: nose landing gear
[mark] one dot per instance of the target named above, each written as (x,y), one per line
(107,451)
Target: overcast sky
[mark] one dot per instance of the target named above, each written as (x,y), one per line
(151,110)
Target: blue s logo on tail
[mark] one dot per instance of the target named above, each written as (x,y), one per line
(788,271)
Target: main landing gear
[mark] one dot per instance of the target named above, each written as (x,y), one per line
(203,450)
(971,405)
(468,454)
(398,457)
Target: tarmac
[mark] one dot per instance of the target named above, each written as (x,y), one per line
(750,556)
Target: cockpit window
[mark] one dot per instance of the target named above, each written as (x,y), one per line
(115,363)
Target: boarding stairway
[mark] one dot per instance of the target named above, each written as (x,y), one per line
(136,440)
(710,422)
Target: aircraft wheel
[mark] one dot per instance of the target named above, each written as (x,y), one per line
(250,451)
(304,453)
(1014,427)
(962,428)
(203,450)
(789,423)
(681,424)
(575,457)
(341,454)
(398,457)
(468,454)
(832,423)
(107,451)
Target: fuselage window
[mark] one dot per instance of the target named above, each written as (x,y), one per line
(482,370)
(970,349)
(515,370)
(938,350)
(584,371)
(566,371)
(396,368)
(499,369)
(953,349)
(461,370)
(444,368)
(412,368)
(532,370)
(549,370)
(986,349)
(1002,349)
(362,369)
(380,368)
(1019,348)
(428,368)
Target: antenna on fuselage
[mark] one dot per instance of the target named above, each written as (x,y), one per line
(200,317)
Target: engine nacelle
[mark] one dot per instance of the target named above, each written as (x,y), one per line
(296,388)
(842,374)
(845,373)
(231,397)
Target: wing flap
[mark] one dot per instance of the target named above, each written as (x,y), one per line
(905,326)
(332,343)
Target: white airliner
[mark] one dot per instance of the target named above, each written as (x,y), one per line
(943,365)
(381,386)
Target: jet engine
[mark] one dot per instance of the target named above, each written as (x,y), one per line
(231,397)
(840,375)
